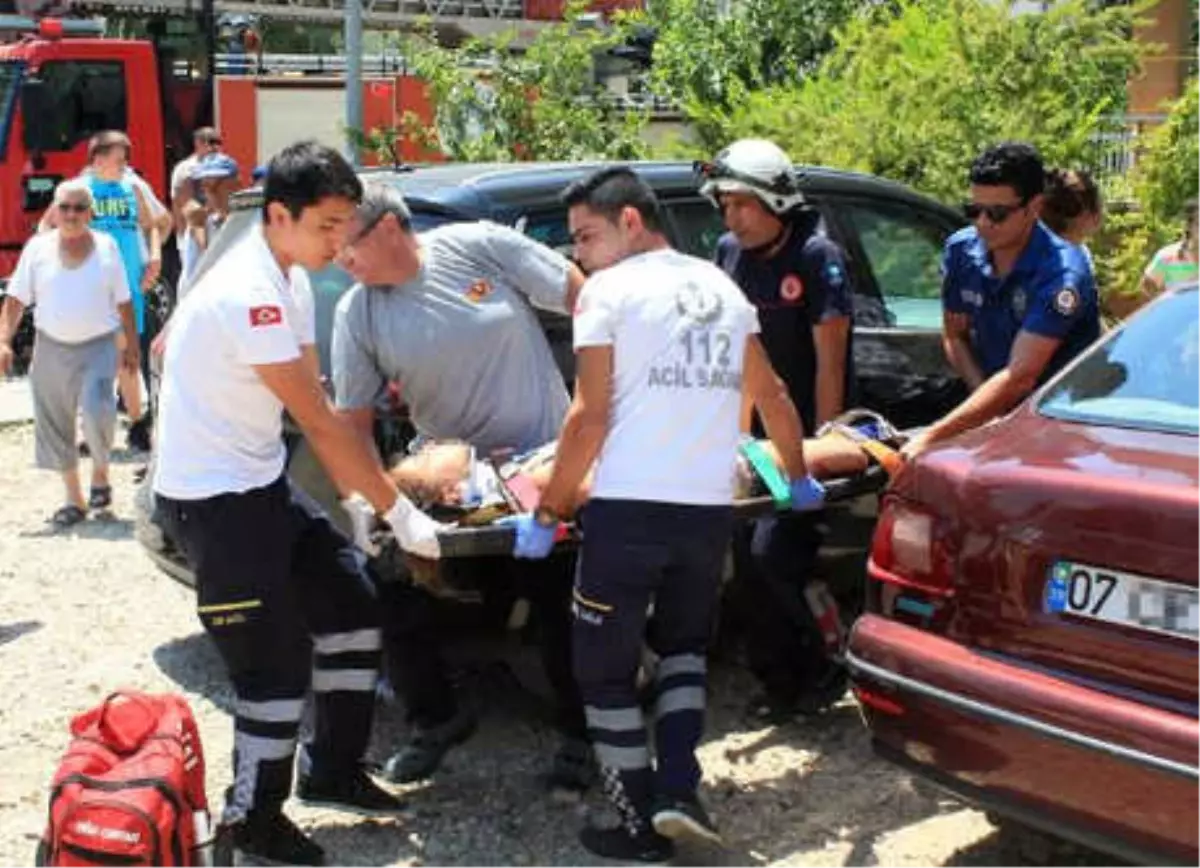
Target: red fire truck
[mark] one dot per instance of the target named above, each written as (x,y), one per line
(60,83)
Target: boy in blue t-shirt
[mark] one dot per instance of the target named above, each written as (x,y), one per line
(122,211)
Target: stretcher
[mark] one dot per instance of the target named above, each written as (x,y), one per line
(854,455)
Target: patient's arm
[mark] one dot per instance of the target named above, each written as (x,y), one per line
(828,457)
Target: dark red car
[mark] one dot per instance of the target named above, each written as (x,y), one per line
(1030,638)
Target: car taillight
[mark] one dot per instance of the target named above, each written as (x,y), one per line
(908,550)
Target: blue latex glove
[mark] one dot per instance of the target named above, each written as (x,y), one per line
(534,541)
(808,495)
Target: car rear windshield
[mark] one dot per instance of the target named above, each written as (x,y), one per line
(10,77)
(1146,376)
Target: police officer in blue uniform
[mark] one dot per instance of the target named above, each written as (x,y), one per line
(1018,302)
(796,277)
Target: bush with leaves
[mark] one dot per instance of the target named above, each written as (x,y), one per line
(1165,177)
(916,92)
(493,104)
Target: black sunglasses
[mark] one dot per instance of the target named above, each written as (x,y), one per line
(73,208)
(997,214)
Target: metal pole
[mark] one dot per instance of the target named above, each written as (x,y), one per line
(208,21)
(354,85)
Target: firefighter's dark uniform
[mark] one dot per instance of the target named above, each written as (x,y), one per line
(282,593)
(803,284)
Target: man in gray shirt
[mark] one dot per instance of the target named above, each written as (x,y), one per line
(447,315)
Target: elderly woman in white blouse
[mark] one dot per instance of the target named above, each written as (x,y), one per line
(74,279)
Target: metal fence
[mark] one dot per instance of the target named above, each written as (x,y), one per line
(1117,148)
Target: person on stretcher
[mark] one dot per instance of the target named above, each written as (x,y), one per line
(440,473)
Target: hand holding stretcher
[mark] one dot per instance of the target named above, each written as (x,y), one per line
(854,454)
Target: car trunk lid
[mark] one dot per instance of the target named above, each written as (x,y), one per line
(1076,552)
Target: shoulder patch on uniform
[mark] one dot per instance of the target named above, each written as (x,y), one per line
(266,315)
(478,290)
(791,288)
(1066,300)
(834,274)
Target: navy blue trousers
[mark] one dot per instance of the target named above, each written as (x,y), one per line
(287,602)
(648,572)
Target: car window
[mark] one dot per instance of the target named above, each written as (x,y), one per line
(328,285)
(698,226)
(10,79)
(904,250)
(1145,376)
(88,96)
(550,228)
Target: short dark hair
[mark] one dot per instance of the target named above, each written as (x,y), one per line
(1069,193)
(104,143)
(1011,164)
(610,191)
(304,173)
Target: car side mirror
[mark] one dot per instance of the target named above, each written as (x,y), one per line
(35,109)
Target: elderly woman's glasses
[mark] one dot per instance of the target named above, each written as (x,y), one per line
(74,207)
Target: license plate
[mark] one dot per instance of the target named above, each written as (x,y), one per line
(1100,594)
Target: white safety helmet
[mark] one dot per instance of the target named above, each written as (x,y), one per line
(753,166)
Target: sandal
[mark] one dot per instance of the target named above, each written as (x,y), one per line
(67,516)
(100,497)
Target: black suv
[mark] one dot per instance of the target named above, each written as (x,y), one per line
(892,236)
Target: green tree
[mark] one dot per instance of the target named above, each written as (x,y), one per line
(1165,177)
(495,104)
(916,94)
(708,61)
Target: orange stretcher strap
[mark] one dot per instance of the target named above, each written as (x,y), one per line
(888,458)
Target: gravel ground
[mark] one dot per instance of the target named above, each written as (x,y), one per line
(84,611)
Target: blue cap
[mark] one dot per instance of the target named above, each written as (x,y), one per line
(216,166)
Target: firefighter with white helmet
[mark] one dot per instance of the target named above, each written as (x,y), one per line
(757,167)
(777,251)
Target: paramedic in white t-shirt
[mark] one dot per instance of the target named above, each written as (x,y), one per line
(282,593)
(666,344)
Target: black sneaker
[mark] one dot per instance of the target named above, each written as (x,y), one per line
(421,757)
(683,819)
(617,843)
(273,839)
(354,792)
(573,770)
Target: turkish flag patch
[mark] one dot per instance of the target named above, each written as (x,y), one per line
(266,315)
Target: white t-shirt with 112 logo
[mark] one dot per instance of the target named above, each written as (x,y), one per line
(678,327)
